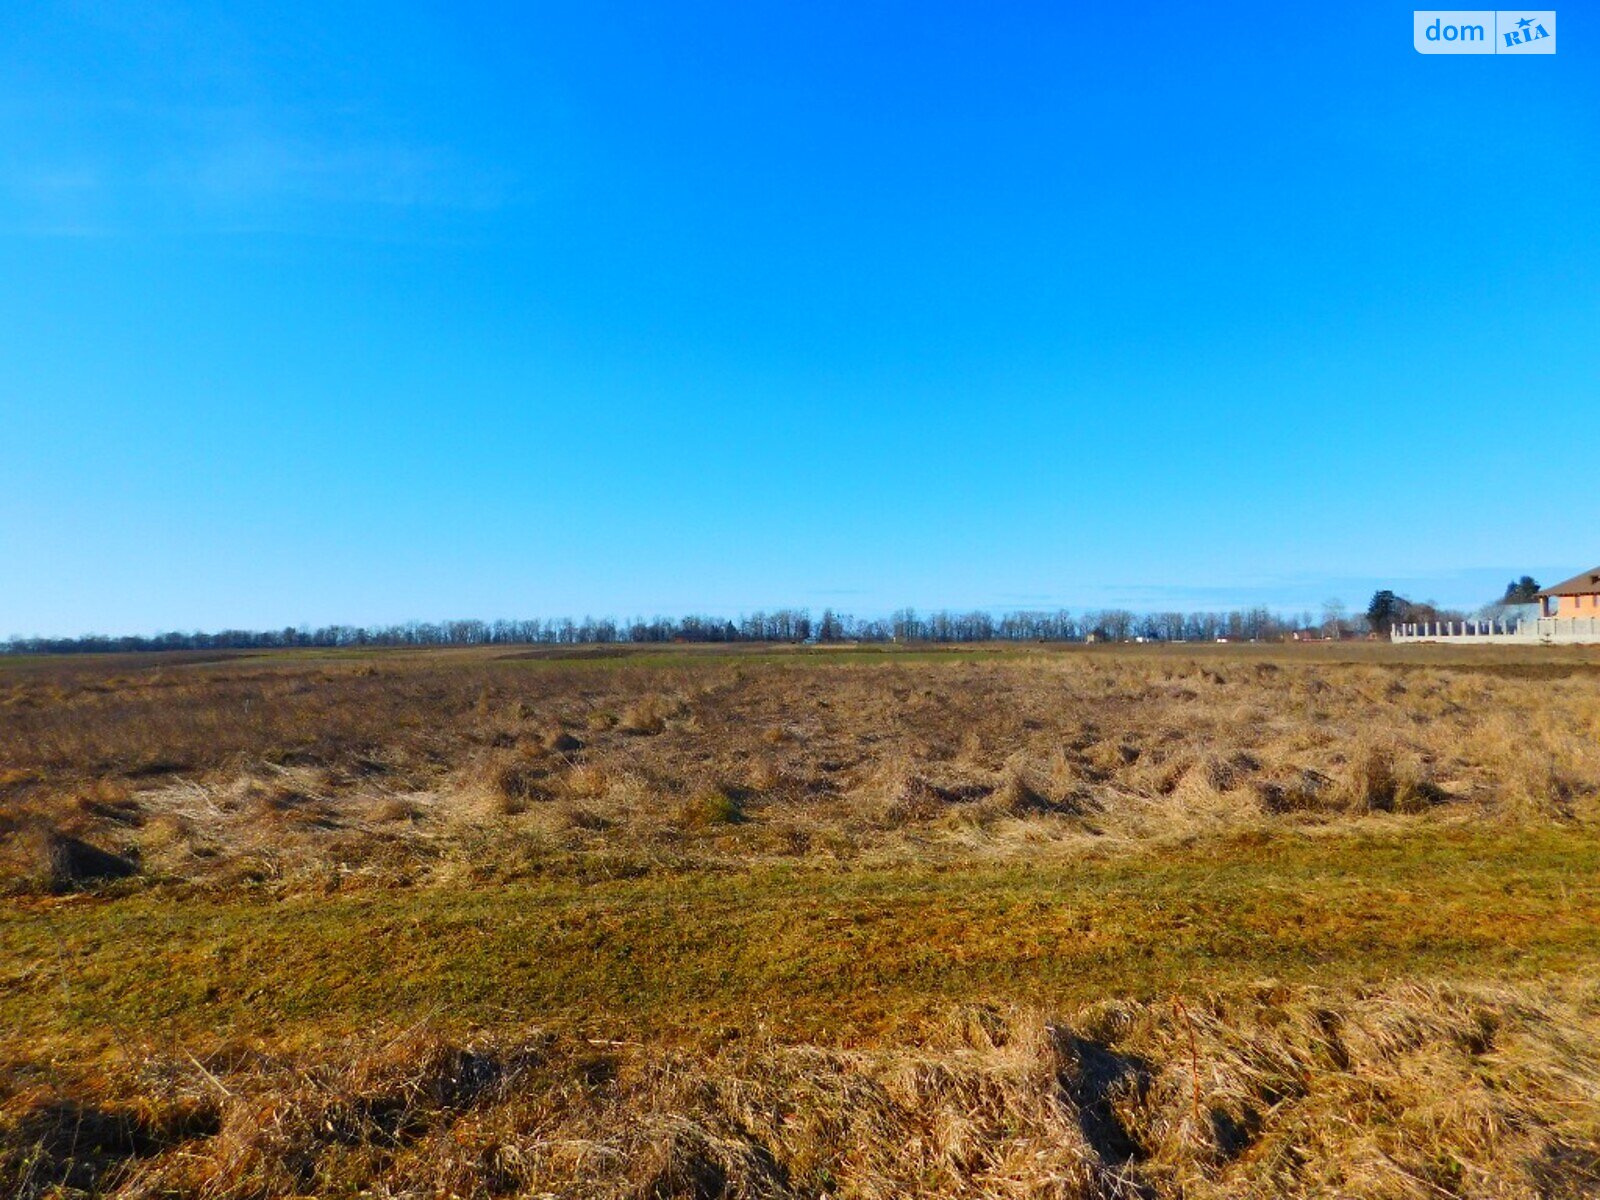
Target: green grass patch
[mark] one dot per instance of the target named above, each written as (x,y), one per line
(838,956)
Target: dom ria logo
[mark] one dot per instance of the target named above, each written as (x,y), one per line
(1528,30)
(1484,32)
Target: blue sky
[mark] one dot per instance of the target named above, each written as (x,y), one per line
(374,312)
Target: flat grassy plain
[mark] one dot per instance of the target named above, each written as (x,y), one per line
(849,922)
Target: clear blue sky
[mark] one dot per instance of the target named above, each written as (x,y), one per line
(371,312)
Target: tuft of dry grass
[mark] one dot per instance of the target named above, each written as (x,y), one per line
(513,781)
(647,715)
(40,857)
(398,808)
(764,776)
(711,806)
(580,816)
(1378,780)
(1016,796)
(587,781)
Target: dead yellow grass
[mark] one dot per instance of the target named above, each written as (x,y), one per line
(1405,1091)
(1036,753)
(791,925)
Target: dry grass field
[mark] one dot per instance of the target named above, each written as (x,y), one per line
(1152,922)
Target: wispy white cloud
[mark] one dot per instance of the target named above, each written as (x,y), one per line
(197,118)
(245,158)
(62,200)
(136,167)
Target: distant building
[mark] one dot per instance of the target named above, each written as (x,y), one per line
(1568,614)
(1576,598)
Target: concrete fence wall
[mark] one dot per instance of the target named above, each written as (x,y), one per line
(1549,630)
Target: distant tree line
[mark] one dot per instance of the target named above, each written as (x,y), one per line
(781,625)
(1386,609)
